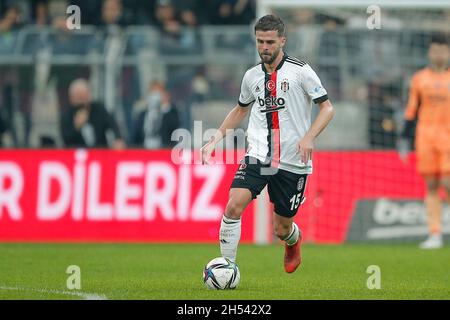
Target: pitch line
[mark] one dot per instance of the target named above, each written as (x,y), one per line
(84,295)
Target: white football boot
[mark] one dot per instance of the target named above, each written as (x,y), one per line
(434,241)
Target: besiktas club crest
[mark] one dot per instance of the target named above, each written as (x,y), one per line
(301,183)
(285,85)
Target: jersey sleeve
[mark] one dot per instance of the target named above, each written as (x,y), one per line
(311,84)
(246,97)
(413,99)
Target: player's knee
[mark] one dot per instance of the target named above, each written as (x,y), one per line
(234,210)
(432,185)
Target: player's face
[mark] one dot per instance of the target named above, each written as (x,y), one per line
(439,54)
(269,45)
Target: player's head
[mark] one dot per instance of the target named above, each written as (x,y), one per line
(79,92)
(439,51)
(270,37)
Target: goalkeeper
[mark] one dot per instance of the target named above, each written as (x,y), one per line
(429,104)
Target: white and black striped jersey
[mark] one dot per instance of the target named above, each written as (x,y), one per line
(281,114)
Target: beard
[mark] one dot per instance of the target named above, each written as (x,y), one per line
(440,63)
(269,59)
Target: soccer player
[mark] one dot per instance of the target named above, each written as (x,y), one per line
(429,103)
(280,137)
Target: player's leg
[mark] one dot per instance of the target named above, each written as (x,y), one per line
(286,191)
(445,171)
(287,230)
(433,210)
(230,227)
(445,182)
(246,186)
(428,165)
(284,229)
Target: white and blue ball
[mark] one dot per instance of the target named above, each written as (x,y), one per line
(221,274)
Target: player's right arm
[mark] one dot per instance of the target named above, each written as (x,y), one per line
(412,106)
(232,120)
(403,144)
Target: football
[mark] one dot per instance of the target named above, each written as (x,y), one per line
(221,274)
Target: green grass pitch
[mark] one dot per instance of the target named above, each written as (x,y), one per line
(174,271)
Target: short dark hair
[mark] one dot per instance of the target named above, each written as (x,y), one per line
(439,38)
(271,22)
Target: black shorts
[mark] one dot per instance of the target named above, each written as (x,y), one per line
(286,189)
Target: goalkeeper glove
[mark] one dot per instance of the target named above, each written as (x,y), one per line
(403,143)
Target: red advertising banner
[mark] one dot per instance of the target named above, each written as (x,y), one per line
(98,195)
(341,179)
(140,195)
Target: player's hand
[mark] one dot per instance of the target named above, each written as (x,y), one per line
(403,148)
(206,152)
(305,148)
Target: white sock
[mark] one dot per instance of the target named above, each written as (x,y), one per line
(437,236)
(293,236)
(230,233)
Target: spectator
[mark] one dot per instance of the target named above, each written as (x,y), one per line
(170,120)
(112,12)
(176,36)
(167,22)
(159,118)
(221,12)
(244,12)
(191,12)
(141,11)
(12,17)
(11,21)
(113,17)
(41,16)
(190,20)
(90,10)
(231,12)
(228,12)
(86,123)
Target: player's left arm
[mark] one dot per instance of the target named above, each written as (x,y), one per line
(306,144)
(312,86)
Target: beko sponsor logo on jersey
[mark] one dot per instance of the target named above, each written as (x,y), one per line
(271,104)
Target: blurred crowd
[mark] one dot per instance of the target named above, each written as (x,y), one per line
(337,45)
(169,15)
(86,122)
(150,116)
